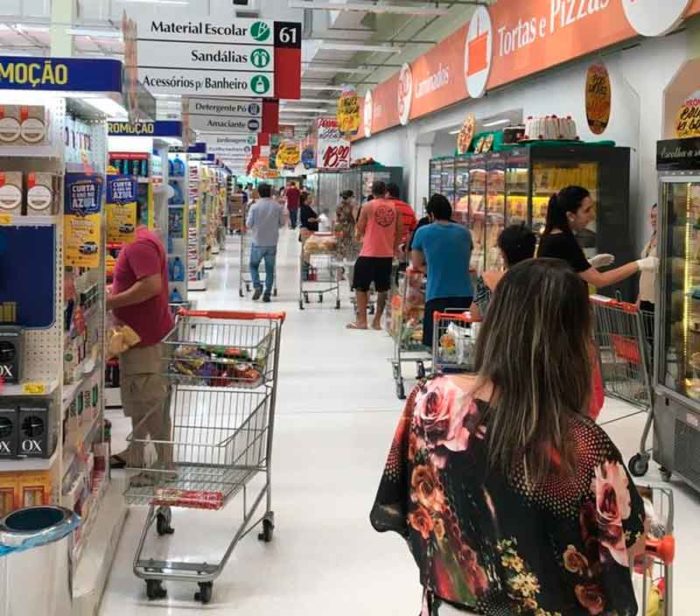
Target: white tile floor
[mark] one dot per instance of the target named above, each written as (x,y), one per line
(336,414)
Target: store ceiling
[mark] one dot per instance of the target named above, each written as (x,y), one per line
(334,49)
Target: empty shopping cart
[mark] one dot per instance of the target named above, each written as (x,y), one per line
(222,370)
(624,342)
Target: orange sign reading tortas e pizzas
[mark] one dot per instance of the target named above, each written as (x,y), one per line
(688,118)
(598,98)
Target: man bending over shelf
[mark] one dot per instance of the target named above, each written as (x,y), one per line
(139,299)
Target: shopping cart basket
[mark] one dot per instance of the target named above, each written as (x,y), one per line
(245,281)
(222,369)
(654,573)
(320,269)
(623,336)
(406,328)
(454,341)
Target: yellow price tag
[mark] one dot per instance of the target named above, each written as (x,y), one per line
(5,219)
(34,389)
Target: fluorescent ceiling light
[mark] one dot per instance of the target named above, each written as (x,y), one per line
(310,100)
(109,107)
(27,28)
(368,8)
(96,33)
(318,88)
(302,110)
(333,69)
(360,47)
(497,122)
(179,2)
(455,132)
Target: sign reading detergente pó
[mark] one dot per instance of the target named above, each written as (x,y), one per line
(60,74)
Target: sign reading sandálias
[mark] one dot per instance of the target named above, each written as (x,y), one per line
(218,56)
(513,39)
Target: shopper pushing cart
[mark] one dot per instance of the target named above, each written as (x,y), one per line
(264,220)
(222,369)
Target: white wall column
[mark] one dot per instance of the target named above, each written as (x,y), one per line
(63,14)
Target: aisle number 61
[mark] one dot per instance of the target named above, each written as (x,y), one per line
(288,35)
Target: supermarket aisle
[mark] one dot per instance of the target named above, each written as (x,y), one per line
(335,418)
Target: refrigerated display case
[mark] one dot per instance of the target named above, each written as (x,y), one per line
(326,186)
(677,333)
(448,180)
(435,178)
(537,171)
(360,179)
(495,209)
(477,210)
(461,209)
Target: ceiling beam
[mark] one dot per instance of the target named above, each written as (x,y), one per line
(359,7)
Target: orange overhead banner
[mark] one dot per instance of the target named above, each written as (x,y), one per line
(509,41)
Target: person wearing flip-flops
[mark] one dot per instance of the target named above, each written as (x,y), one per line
(380,229)
(139,298)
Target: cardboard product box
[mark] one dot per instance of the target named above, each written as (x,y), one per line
(33,124)
(8,430)
(11,192)
(10,125)
(37,433)
(41,193)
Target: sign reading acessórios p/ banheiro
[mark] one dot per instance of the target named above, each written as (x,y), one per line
(213,57)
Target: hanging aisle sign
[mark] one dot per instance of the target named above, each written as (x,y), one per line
(232,115)
(60,74)
(333,148)
(160,128)
(219,56)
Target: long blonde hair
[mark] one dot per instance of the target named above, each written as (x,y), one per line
(534,348)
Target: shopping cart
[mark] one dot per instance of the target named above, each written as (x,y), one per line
(624,341)
(454,341)
(406,328)
(320,269)
(245,281)
(222,368)
(654,573)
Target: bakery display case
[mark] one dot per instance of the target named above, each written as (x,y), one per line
(435,178)
(536,171)
(495,209)
(677,348)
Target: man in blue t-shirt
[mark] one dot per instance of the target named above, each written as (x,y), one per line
(445,247)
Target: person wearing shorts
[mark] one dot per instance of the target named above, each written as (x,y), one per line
(379,229)
(139,299)
(446,248)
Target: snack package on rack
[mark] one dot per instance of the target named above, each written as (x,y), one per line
(195,499)
(216,366)
(320,244)
(119,339)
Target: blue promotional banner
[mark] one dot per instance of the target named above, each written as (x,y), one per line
(60,74)
(121,189)
(160,128)
(82,233)
(121,209)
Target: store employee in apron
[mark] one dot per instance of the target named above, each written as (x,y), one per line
(571,210)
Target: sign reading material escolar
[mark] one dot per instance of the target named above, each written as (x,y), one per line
(214,57)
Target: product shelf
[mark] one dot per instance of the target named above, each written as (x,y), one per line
(31,151)
(15,465)
(29,388)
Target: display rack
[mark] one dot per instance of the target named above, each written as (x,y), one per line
(54,447)
(177,226)
(196,230)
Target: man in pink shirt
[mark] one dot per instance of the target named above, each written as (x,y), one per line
(139,299)
(379,228)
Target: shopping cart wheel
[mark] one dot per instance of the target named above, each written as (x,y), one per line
(268,528)
(155,590)
(639,465)
(301,305)
(203,595)
(240,292)
(320,298)
(337,304)
(371,308)
(400,390)
(274,292)
(163,519)
(665,474)
(306,297)
(420,370)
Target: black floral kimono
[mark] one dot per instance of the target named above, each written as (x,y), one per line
(491,544)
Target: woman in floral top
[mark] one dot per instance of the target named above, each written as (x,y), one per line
(512,501)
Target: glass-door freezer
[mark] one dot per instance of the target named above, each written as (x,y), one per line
(677,333)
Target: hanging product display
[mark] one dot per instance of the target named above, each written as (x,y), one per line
(83,219)
(598,98)
(121,209)
(348,113)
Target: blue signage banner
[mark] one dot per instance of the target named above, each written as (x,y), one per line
(160,128)
(60,74)
(121,189)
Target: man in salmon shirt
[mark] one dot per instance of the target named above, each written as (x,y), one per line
(139,299)
(380,229)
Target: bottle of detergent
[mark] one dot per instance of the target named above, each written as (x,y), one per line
(175,297)
(178,167)
(178,270)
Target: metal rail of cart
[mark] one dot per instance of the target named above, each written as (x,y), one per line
(320,269)
(406,328)
(624,340)
(245,281)
(222,371)
(454,341)
(653,577)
